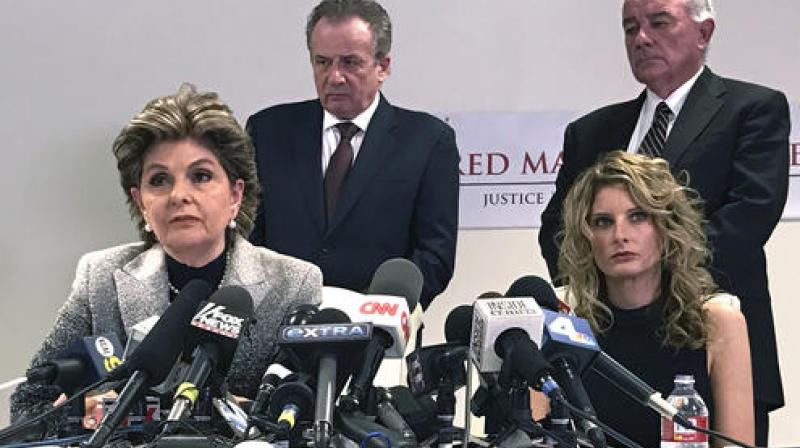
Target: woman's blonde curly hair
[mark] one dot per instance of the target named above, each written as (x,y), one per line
(675,211)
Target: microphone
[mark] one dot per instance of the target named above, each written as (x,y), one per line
(493,317)
(522,359)
(213,335)
(624,380)
(569,345)
(136,335)
(291,402)
(389,317)
(571,338)
(394,278)
(389,313)
(330,333)
(84,362)
(152,360)
(401,277)
(398,277)
(278,370)
(389,415)
(428,365)
(536,287)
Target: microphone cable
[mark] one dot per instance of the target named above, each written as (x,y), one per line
(616,434)
(16,428)
(678,418)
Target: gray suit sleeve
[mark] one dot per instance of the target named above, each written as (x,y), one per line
(73,322)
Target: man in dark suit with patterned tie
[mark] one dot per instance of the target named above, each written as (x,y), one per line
(728,138)
(348,179)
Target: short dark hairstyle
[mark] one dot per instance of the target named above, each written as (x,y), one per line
(366,10)
(199,116)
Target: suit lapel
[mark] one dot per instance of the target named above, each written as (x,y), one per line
(622,130)
(306,146)
(142,283)
(702,103)
(142,287)
(378,142)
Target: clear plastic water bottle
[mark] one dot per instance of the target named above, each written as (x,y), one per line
(690,405)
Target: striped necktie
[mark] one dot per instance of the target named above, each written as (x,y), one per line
(653,143)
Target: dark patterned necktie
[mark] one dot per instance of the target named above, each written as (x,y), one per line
(339,166)
(653,143)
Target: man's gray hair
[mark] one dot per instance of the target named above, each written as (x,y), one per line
(700,9)
(369,11)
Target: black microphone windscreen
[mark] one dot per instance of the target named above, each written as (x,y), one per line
(457,326)
(398,277)
(300,314)
(526,359)
(490,295)
(159,350)
(330,316)
(536,287)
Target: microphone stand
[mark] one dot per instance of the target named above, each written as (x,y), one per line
(520,418)
(561,425)
(445,411)
(326,394)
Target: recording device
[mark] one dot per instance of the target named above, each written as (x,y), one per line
(428,365)
(213,337)
(293,401)
(491,318)
(568,343)
(398,277)
(389,316)
(282,365)
(624,380)
(536,287)
(152,360)
(234,416)
(571,338)
(389,313)
(84,362)
(320,344)
(388,414)
(136,335)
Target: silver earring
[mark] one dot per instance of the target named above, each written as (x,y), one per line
(232,224)
(147,227)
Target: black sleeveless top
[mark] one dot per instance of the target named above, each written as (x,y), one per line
(633,342)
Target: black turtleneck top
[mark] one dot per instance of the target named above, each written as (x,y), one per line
(179,274)
(633,341)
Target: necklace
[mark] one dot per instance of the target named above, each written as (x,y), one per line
(177,291)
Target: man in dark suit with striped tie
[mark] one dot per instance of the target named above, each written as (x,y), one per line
(728,138)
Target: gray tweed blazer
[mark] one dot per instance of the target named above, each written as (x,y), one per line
(118,287)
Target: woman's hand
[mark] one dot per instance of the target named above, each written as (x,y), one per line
(94,408)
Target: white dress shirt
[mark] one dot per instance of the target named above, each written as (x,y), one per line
(675,102)
(331,137)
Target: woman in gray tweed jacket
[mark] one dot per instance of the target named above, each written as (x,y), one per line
(188,171)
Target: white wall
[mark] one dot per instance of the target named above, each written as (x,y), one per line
(72,73)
